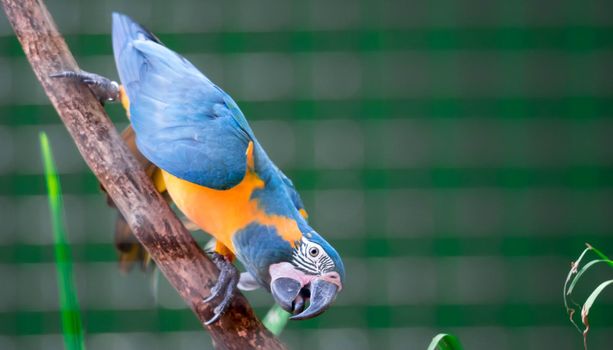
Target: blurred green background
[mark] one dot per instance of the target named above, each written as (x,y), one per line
(457,153)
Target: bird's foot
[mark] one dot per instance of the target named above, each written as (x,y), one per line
(103,88)
(225,286)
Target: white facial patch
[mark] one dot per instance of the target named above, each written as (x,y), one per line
(310,257)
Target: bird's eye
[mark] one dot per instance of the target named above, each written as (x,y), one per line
(313,252)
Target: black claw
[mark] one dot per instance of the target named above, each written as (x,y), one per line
(216,316)
(103,88)
(214,293)
(226,286)
(222,280)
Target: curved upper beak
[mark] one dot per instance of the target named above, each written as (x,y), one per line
(292,296)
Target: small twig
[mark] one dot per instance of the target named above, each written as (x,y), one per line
(173,249)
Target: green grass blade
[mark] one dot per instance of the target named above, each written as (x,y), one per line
(582,271)
(69,304)
(601,255)
(573,271)
(276,319)
(585,310)
(445,341)
(592,298)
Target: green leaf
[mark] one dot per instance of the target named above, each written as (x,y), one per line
(276,319)
(600,254)
(445,341)
(69,304)
(585,310)
(573,271)
(582,271)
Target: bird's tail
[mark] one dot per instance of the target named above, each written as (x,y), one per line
(127,58)
(129,62)
(131,45)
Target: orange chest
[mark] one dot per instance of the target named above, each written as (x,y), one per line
(222,213)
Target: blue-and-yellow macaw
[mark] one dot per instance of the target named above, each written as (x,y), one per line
(218,175)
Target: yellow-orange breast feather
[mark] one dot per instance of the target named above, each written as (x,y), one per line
(222,213)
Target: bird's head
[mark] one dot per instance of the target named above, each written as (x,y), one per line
(315,274)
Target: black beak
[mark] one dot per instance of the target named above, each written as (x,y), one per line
(289,294)
(323,294)
(285,291)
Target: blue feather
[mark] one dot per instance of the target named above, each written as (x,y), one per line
(258,247)
(184,123)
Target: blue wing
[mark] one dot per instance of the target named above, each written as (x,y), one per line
(184,123)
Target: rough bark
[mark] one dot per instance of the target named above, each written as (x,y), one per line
(171,246)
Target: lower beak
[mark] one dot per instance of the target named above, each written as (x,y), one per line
(292,297)
(286,291)
(323,294)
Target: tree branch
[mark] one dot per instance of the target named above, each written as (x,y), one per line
(173,249)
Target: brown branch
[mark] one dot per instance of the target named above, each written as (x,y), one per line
(174,250)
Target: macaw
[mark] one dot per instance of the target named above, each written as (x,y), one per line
(218,175)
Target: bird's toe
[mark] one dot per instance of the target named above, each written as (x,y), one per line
(226,285)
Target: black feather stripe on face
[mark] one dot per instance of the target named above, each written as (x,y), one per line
(304,264)
(325,263)
(313,265)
